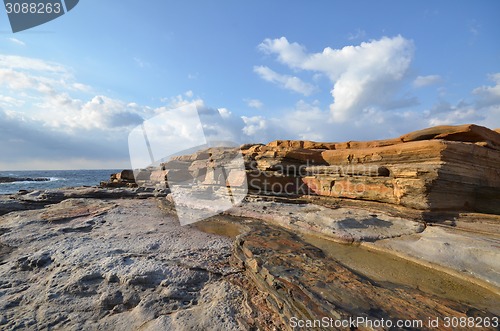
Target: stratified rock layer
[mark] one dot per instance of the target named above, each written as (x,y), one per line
(441,168)
(302,284)
(430,174)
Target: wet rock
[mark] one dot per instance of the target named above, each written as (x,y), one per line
(301,282)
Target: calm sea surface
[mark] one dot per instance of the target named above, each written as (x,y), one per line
(57,179)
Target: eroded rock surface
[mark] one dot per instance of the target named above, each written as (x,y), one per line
(301,282)
(25,200)
(119,265)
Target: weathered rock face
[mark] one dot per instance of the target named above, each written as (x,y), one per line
(440,168)
(458,169)
(40,199)
(125,178)
(300,282)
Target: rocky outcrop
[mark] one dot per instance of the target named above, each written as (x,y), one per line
(301,283)
(99,258)
(124,178)
(441,168)
(427,175)
(22,179)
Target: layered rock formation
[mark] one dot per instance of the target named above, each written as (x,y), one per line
(440,168)
(301,283)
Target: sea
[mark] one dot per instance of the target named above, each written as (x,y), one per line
(56,179)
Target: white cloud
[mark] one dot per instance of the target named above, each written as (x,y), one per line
(489,95)
(10,101)
(189,94)
(286,81)
(422,81)
(254,103)
(81,87)
(364,76)
(254,125)
(25,63)
(484,109)
(224,112)
(17,41)
(459,114)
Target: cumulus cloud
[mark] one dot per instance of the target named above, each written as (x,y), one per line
(254,125)
(288,82)
(489,95)
(46,114)
(25,63)
(363,76)
(422,81)
(483,108)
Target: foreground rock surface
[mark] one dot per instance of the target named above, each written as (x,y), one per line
(126,264)
(302,283)
(122,265)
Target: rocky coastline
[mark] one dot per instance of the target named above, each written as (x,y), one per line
(400,229)
(22,179)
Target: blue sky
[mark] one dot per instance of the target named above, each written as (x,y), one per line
(72,89)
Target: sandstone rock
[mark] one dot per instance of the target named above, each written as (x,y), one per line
(468,254)
(124,178)
(302,283)
(440,168)
(125,175)
(430,174)
(464,133)
(345,225)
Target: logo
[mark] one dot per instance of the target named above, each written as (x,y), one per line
(26,14)
(182,149)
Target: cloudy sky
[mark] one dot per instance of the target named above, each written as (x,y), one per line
(72,90)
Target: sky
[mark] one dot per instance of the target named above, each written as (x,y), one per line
(72,90)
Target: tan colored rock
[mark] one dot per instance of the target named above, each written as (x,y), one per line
(428,174)
(464,133)
(416,151)
(439,168)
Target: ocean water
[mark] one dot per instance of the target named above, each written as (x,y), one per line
(57,179)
